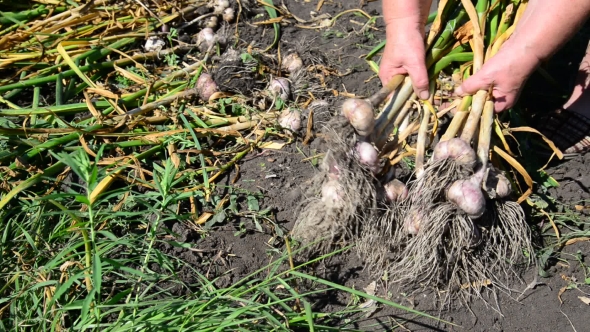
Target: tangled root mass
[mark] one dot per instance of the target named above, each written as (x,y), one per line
(319,218)
(426,241)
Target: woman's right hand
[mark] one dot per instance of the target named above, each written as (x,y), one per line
(405,54)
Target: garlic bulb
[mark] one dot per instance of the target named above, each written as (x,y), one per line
(206,37)
(497,185)
(456,149)
(212,22)
(413,222)
(290,119)
(292,63)
(154,43)
(467,195)
(359,113)
(368,156)
(396,191)
(206,86)
(330,166)
(332,194)
(228,15)
(280,87)
(219,6)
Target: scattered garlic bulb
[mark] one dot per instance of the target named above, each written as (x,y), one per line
(219,6)
(206,37)
(154,44)
(229,15)
(292,63)
(280,87)
(212,22)
(290,119)
(206,86)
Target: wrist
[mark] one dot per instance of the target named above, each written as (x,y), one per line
(525,55)
(517,59)
(404,28)
(406,14)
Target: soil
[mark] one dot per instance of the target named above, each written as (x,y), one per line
(280,174)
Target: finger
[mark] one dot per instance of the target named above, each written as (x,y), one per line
(386,73)
(420,81)
(500,105)
(502,101)
(473,84)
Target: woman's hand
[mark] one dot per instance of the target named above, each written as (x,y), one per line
(546,25)
(505,73)
(404,51)
(404,54)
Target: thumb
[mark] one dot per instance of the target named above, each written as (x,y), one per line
(471,85)
(420,81)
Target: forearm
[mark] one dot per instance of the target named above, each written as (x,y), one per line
(406,14)
(549,24)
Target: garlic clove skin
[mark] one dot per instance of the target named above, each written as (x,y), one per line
(359,113)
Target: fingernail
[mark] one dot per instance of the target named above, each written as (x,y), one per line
(424,95)
(459,91)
